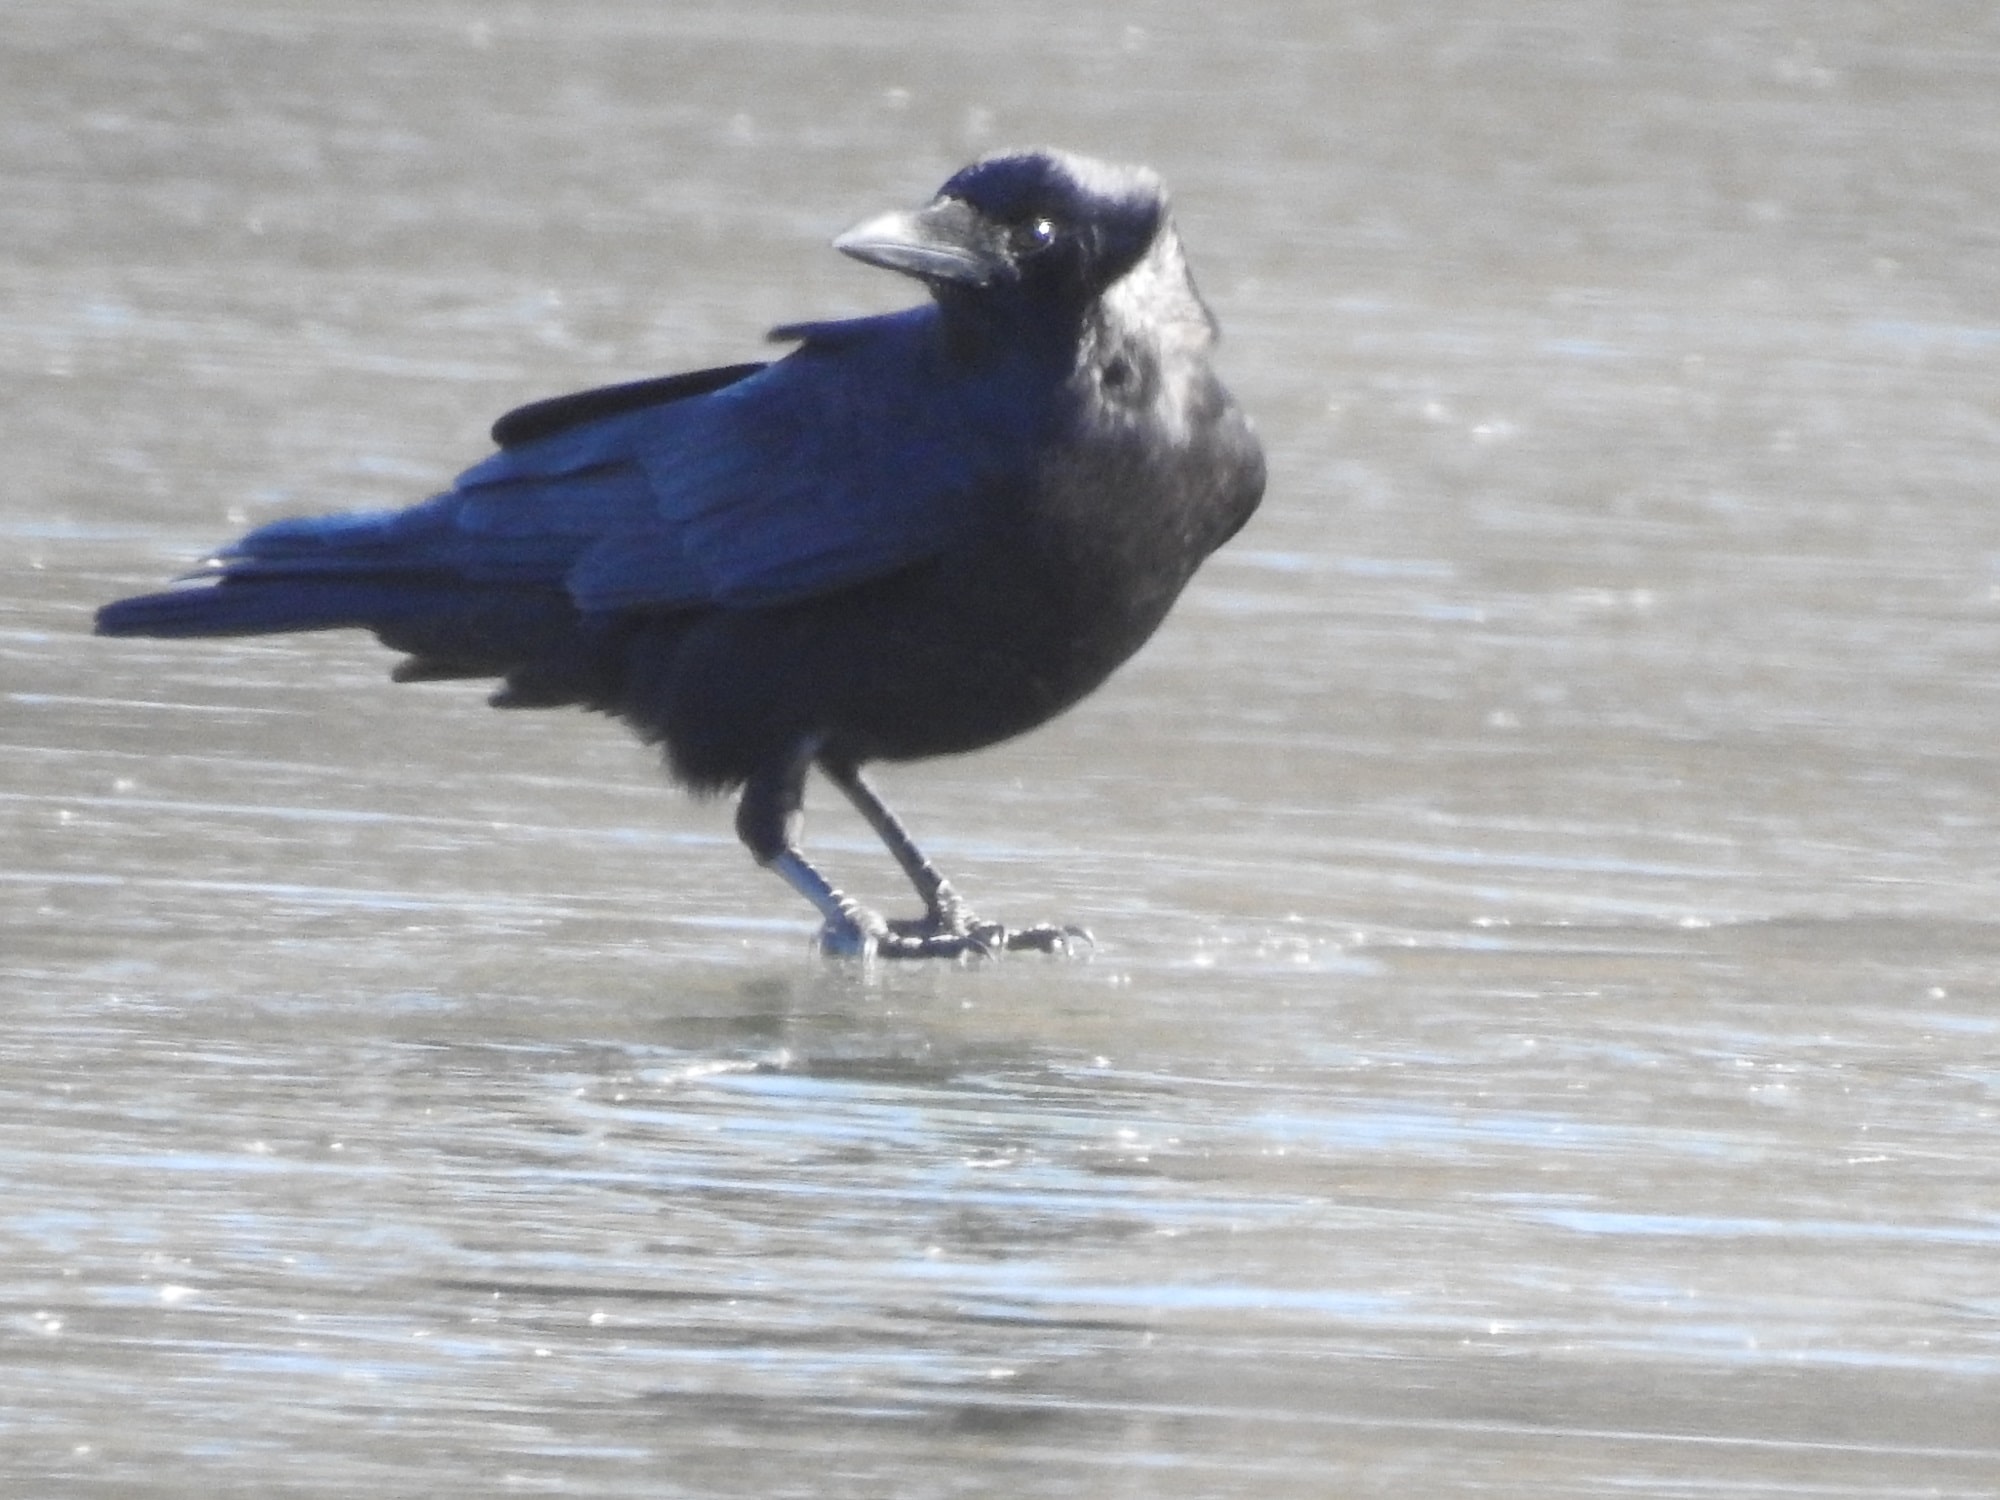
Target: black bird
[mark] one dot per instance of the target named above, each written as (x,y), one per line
(914,534)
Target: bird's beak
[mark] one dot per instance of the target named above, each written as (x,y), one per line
(948,241)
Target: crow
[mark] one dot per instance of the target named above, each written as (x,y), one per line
(914,534)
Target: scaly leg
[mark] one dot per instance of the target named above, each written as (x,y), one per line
(945,911)
(769,820)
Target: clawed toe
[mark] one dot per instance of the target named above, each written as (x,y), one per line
(930,937)
(1066,940)
(900,940)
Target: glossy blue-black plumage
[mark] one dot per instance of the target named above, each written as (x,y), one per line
(854,456)
(912,534)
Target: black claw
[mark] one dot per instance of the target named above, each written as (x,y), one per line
(1046,939)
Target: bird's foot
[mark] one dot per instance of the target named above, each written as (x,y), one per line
(954,935)
(968,935)
(1044,938)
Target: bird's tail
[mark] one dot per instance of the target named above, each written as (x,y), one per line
(402,574)
(309,573)
(261,606)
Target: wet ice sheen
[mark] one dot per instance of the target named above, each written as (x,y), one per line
(1543,1036)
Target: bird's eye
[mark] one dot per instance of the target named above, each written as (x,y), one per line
(1032,235)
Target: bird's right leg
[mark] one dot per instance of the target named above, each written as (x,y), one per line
(769,819)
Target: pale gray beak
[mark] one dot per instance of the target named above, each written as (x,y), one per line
(947,241)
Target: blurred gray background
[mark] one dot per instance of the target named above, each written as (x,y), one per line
(1543,1039)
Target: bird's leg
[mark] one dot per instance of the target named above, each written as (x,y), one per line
(769,820)
(947,918)
(945,910)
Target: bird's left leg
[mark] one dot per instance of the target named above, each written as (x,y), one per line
(946,916)
(945,910)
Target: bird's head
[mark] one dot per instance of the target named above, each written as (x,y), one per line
(1054,226)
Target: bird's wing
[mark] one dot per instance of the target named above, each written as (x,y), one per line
(852,457)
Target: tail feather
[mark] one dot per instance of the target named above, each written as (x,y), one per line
(468,583)
(261,607)
(383,570)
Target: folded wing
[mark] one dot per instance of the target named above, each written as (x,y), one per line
(743,486)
